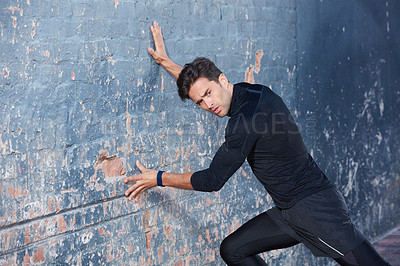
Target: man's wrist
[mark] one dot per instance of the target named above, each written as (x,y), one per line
(159,179)
(166,62)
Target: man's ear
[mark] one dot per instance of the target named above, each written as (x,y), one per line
(223,80)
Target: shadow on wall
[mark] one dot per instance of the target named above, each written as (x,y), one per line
(348,80)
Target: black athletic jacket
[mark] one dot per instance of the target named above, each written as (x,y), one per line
(261,130)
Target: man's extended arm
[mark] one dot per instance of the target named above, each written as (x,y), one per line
(160,55)
(148,179)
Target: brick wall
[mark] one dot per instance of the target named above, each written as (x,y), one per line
(348,100)
(81,101)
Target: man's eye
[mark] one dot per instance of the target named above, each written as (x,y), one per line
(209,92)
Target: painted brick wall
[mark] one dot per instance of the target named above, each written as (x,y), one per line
(81,101)
(348,100)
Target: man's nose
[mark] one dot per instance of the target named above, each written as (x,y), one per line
(208,103)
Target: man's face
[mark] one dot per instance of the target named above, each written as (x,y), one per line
(212,96)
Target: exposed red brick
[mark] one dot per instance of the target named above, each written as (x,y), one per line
(130,248)
(103,232)
(187,168)
(149,235)
(215,231)
(16,193)
(210,255)
(177,153)
(159,253)
(146,220)
(180,263)
(257,65)
(209,202)
(167,231)
(33,31)
(14,22)
(183,250)
(72,223)
(51,204)
(14,9)
(208,236)
(61,224)
(38,257)
(27,234)
(110,257)
(27,259)
(249,76)
(110,165)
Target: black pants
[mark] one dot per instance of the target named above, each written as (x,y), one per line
(261,234)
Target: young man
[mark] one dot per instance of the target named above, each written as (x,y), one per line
(308,210)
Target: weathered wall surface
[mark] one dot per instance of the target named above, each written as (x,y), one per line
(81,100)
(348,101)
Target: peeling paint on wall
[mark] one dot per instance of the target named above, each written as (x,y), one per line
(110,165)
(249,77)
(82,101)
(257,65)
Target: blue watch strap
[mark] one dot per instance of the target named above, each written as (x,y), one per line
(159,179)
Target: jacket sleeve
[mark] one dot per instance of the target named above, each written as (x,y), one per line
(240,138)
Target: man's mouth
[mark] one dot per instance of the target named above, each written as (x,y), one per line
(216,110)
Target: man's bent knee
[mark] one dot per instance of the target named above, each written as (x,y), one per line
(228,250)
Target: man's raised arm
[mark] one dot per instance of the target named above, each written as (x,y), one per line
(151,178)
(160,55)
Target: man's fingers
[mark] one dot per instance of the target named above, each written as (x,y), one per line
(156,31)
(156,26)
(158,53)
(140,166)
(151,51)
(137,193)
(155,56)
(131,178)
(143,181)
(131,189)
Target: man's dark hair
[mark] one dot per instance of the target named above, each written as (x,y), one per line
(201,67)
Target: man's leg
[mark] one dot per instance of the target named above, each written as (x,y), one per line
(364,254)
(258,235)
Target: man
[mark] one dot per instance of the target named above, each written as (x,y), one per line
(308,210)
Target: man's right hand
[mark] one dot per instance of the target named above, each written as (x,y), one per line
(159,55)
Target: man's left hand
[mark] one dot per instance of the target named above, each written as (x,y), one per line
(147,179)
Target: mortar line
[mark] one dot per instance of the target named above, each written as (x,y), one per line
(38,242)
(59,212)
